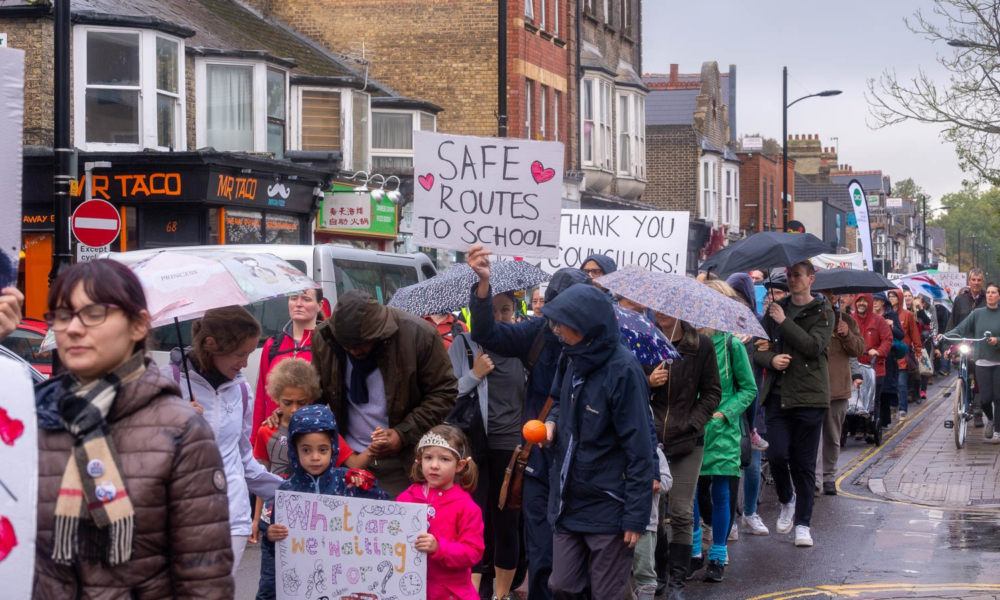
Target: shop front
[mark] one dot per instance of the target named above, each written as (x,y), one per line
(169,200)
(362,219)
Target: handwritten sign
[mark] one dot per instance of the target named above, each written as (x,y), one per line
(340,547)
(18,480)
(654,240)
(12,105)
(505,194)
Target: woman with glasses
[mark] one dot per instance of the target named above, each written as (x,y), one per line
(131,492)
(499,382)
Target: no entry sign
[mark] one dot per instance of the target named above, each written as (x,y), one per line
(96,223)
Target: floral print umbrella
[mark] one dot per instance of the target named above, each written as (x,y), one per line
(683,298)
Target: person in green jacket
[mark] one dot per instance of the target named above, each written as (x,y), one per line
(987,368)
(721,462)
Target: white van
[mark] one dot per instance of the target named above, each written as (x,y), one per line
(337,267)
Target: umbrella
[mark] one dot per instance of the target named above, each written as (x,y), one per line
(683,298)
(645,340)
(851,281)
(182,285)
(449,291)
(765,250)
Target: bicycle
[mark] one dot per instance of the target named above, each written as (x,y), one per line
(965,392)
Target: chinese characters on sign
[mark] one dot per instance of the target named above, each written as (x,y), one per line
(352,210)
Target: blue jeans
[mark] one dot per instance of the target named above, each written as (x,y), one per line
(901,390)
(720,520)
(751,483)
(266,589)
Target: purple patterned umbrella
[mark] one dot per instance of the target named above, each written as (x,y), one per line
(646,342)
(683,298)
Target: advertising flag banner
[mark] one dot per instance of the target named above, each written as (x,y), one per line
(864,225)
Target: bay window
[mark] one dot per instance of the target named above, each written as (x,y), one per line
(631,135)
(624,135)
(731,187)
(129,94)
(392,137)
(242,106)
(597,135)
(589,122)
(709,188)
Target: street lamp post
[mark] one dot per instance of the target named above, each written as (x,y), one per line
(784,139)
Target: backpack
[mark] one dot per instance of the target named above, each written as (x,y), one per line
(244,386)
(275,350)
(456,330)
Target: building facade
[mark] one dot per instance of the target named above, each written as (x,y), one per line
(760,192)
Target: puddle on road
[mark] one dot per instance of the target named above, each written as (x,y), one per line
(971,531)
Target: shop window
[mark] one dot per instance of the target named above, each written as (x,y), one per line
(215,226)
(282,229)
(130,226)
(244,226)
(131,93)
(167,227)
(392,137)
(241,106)
(276,113)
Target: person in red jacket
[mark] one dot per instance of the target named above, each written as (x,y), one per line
(448,326)
(911,335)
(877,336)
(294,341)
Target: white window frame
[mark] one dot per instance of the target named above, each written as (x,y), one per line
(295,115)
(625,14)
(555,18)
(529,9)
(395,152)
(260,69)
(542,102)
(708,186)
(731,195)
(528,84)
(607,11)
(603,144)
(147,133)
(541,18)
(556,96)
(624,126)
(635,131)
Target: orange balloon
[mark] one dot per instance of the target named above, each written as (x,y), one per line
(534,431)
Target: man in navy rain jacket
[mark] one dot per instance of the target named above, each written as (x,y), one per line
(601,480)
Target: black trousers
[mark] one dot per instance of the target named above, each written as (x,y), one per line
(793,435)
(502,528)
(989,389)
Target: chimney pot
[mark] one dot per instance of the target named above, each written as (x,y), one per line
(674,71)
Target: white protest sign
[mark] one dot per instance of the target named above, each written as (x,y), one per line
(953,281)
(18,480)
(11,128)
(654,240)
(505,194)
(341,547)
(855,260)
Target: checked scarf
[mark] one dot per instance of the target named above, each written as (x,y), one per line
(102,499)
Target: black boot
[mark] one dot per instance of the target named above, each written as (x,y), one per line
(695,565)
(662,556)
(679,558)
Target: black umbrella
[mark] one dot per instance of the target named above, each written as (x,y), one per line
(765,250)
(851,281)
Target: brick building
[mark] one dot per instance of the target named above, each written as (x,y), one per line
(690,130)
(200,107)
(558,70)
(760,192)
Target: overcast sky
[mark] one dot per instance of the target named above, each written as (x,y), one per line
(834,45)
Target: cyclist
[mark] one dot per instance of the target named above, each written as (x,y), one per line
(987,352)
(967,301)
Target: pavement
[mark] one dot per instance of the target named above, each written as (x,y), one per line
(915,518)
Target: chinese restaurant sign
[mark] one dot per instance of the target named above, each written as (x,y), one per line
(354,213)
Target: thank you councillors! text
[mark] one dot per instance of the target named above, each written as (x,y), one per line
(505,194)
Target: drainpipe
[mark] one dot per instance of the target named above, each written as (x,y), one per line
(63,153)
(579,84)
(502,68)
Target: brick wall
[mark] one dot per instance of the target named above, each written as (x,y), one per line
(34,36)
(758,174)
(672,163)
(437,50)
(190,101)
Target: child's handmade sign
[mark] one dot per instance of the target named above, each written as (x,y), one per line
(340,547)
(505,194)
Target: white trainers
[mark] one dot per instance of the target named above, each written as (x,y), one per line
(786,517)
(756,524)
(734,533)
(902,415)
(802,536)
(996,438)
(990,430)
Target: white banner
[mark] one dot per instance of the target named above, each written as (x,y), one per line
(864,226)
(855,260)
(341,547)
(653,240)
(505,194)
(11,123)
(18,480)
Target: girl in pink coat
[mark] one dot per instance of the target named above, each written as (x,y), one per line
(454,540)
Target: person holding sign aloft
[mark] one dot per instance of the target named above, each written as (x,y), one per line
(454,538)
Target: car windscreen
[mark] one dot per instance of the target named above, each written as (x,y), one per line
(379,280)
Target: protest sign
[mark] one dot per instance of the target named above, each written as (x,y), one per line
(654,240)
(505,194)
(11,127)
(854,260)
(18,480)
(954,281)
(349,547)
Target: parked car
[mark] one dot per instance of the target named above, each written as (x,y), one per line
(25,342)
(337,267)
(36,377)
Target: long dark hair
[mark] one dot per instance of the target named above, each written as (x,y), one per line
(105,282)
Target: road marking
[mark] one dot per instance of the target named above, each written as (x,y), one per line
(868,454)
(861,590)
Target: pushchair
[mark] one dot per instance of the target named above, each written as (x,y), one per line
(862,413)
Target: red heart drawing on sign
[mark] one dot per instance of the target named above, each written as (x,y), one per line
(10,429)
(426,181)
(8,540)
(540,173)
